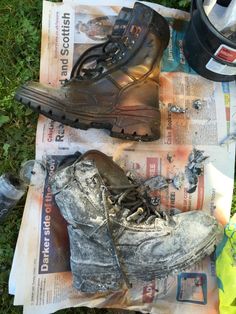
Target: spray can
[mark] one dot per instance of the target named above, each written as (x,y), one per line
(11,191)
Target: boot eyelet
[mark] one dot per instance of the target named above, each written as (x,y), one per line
(126,41)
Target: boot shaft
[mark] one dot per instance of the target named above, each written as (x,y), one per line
(146,37)
(137,53)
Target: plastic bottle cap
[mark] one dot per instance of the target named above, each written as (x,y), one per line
(33,173)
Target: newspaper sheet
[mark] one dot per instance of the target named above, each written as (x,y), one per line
(40,278)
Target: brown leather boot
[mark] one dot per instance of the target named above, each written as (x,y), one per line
(121,93)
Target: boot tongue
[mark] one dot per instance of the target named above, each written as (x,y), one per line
(121,22)
(110,172)
(139,22)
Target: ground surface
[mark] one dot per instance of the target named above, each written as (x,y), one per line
(20,24)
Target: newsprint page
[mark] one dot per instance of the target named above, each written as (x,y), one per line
(43,282)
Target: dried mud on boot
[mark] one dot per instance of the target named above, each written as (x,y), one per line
(116,235)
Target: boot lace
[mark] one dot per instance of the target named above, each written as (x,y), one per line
(134,205)
(128,201)
(94,65)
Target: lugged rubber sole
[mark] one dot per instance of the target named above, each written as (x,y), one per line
(159,271)
(128,125)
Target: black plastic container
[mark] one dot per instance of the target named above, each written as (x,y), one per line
(207,51)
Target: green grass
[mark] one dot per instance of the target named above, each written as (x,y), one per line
(20,24)
(20,45)
(233,208)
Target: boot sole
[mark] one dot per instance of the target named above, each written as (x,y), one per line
(131,125)
(181,265)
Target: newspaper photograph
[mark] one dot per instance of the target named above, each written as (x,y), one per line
(197,115)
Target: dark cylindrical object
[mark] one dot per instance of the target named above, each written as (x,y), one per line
(223,3)
(207,51)
(11,191)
